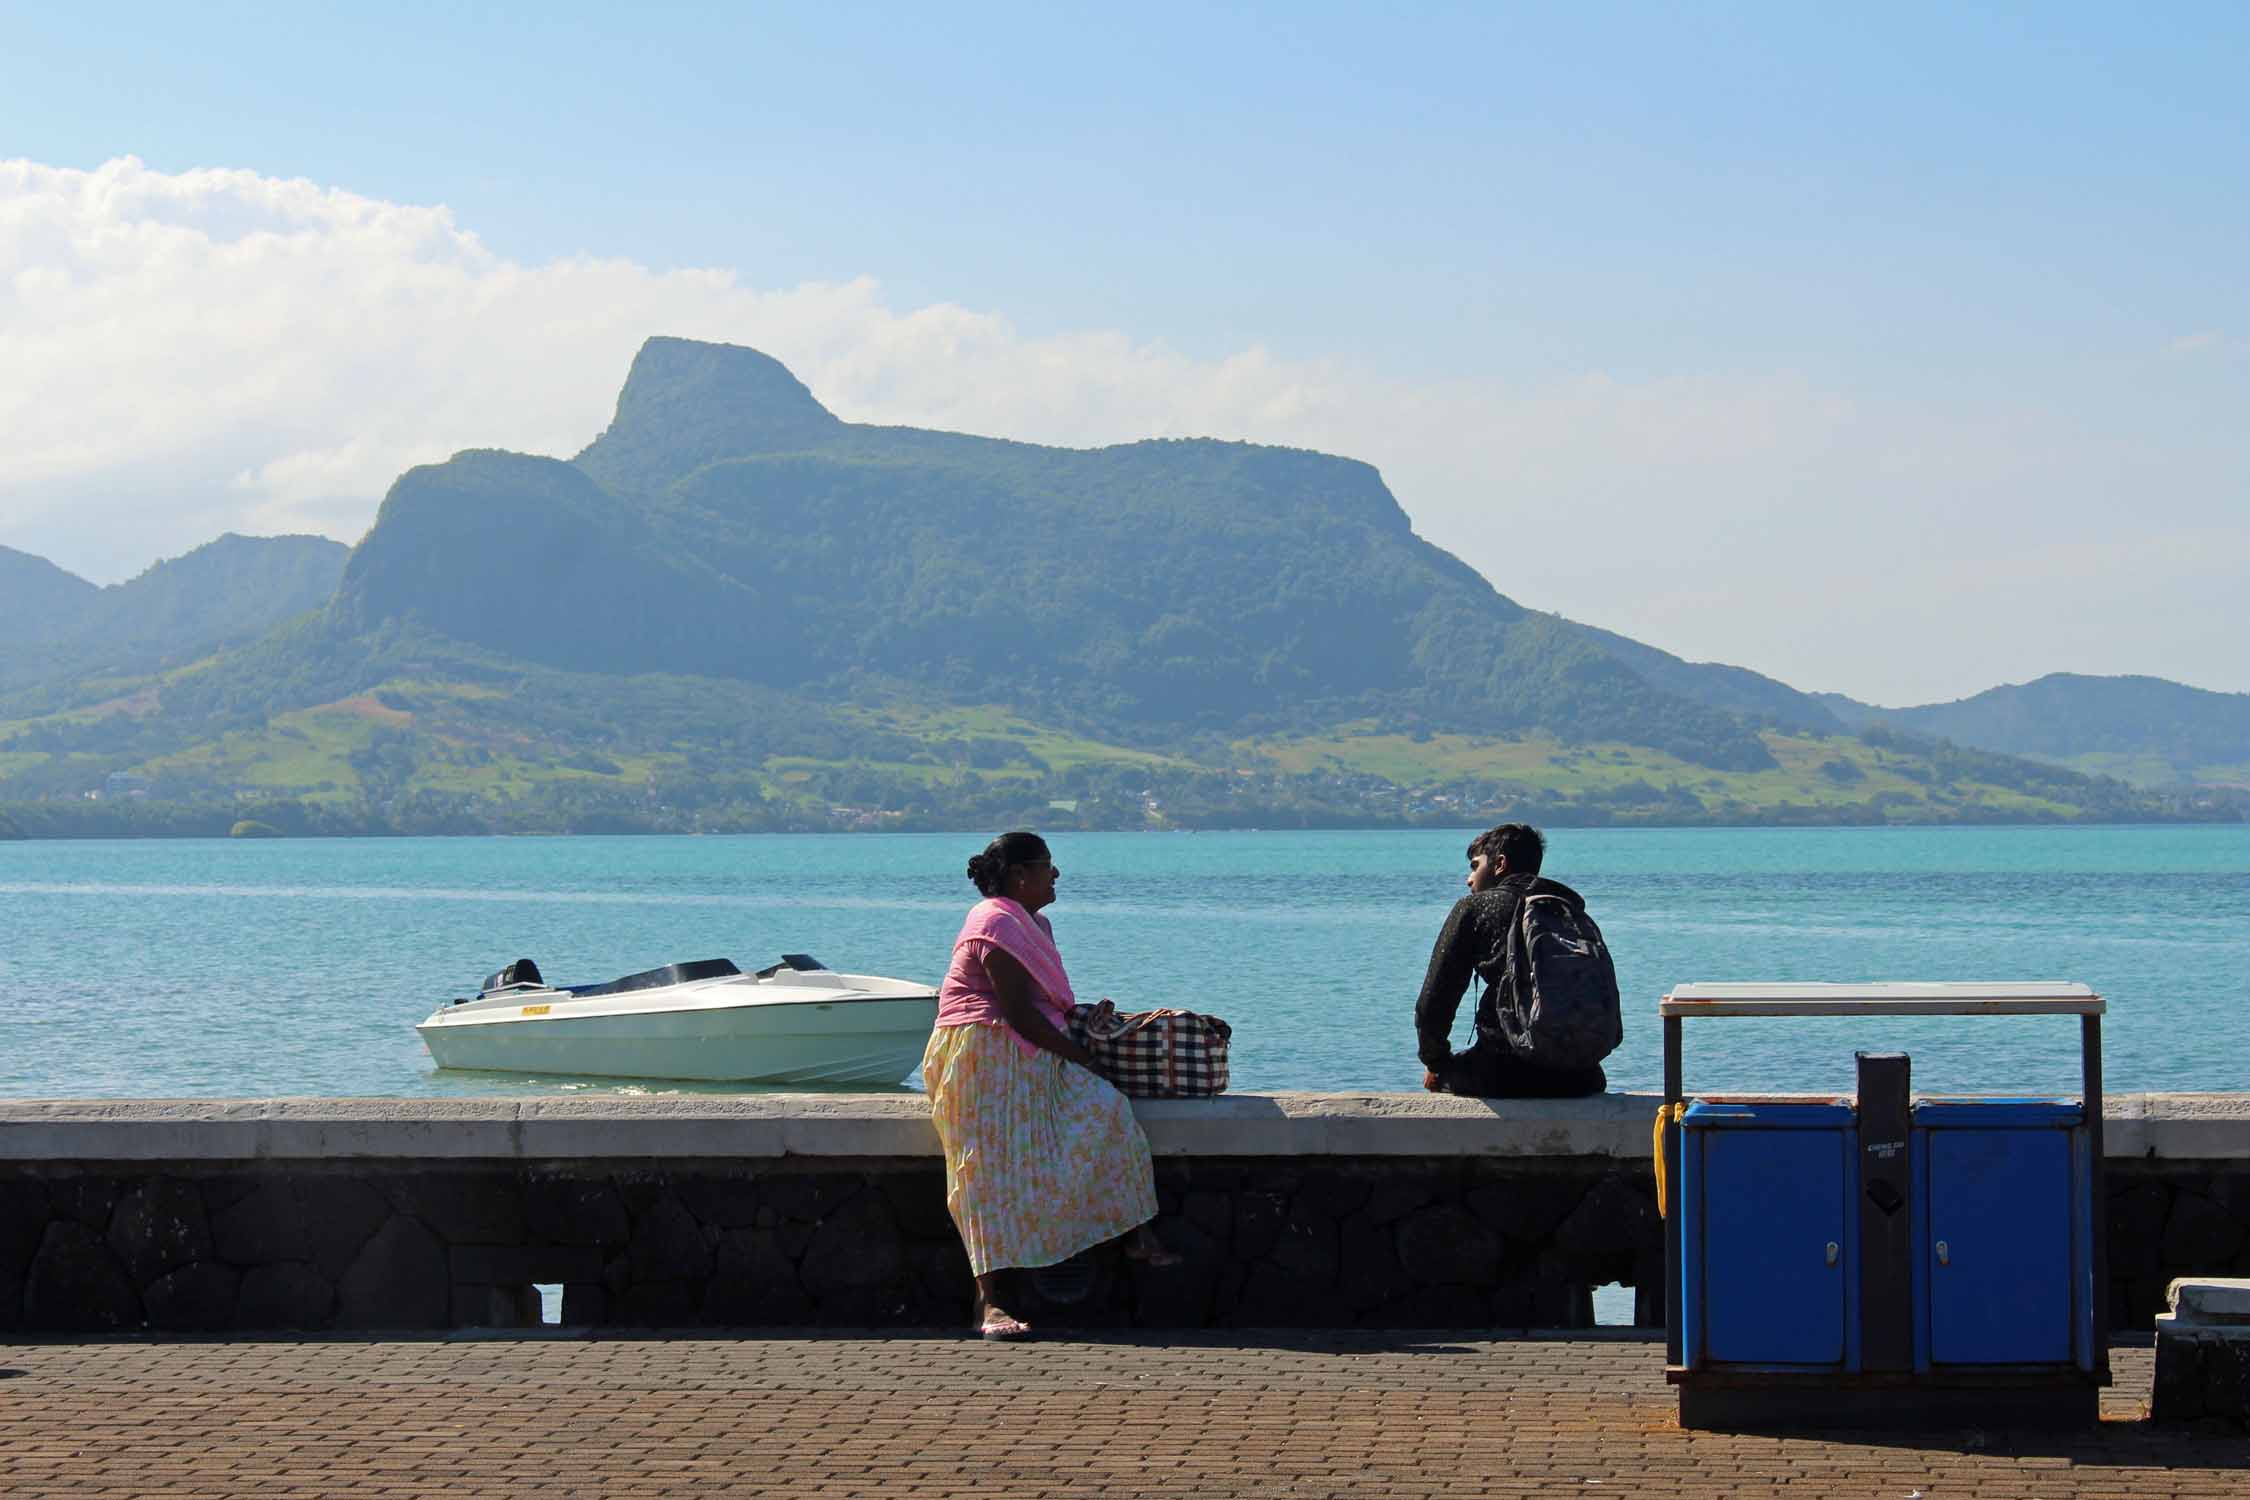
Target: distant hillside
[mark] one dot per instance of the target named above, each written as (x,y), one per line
(55,625)
(39,602)
(1756,697)
(735,612)
(315,729)
(2144,730)
(2074,719)
(727,525)
(1849,711)
(224,591)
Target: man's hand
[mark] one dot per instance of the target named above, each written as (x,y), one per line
(1430,1082)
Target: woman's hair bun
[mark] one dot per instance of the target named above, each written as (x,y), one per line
(989,870)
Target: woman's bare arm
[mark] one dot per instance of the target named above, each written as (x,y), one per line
(1012,983)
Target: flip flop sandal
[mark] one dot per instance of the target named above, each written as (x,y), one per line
(1002,1328)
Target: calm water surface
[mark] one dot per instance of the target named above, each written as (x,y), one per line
(182,968)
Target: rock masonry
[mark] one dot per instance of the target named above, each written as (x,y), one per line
(1379,1241)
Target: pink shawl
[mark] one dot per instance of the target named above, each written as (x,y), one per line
(967,996)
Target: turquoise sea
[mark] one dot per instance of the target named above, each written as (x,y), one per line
(254,968)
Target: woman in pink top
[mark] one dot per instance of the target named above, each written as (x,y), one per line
(1043,1158)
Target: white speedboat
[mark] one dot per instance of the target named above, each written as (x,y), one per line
(796,1022)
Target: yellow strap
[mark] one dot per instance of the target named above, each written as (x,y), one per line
(1665,1114)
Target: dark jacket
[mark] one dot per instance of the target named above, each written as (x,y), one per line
(1474,944)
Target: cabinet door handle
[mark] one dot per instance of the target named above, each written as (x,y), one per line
(1833,1251)
(1944,1253)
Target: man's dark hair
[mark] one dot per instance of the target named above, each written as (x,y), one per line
(1517,843)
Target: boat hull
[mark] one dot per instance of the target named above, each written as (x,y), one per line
(843,1041)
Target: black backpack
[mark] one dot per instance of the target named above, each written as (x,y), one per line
(1557,1004)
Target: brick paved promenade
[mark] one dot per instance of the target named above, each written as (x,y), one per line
(1248,1414)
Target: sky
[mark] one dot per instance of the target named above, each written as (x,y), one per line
(1900,351)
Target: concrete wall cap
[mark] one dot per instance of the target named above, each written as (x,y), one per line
(2179,1127)
(2210,1299)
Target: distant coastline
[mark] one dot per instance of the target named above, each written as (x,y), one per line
(156,820)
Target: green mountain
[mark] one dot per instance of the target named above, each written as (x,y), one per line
(55,625)
(1738,690)
(727,525)
(2144,728)
(224,591)
(39,602)
(734,611)
(686,404)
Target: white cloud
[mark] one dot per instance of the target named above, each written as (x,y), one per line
(186,353)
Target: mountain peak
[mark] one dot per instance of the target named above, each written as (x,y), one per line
(686,404)
(22,568)
(38,601)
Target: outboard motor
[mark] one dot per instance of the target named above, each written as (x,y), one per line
(523,973)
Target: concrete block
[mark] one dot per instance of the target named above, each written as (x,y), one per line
(2203,1351)
(657,1129)
(867,1135)
(2210,1300)
(2191,1127)
(131,1129)
(1421,1125)
(406,1129)
(2201,1373)
(1231,1125)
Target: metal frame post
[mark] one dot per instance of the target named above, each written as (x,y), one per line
(1674,1135)
(2090,1063)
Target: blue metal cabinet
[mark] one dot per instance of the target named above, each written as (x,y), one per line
(1768,1220)
(2002,1255)
(1898,1262)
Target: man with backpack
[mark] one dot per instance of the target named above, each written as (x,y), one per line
(1549,1012)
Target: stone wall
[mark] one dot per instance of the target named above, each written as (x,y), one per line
(1387,1211)
(847,1242)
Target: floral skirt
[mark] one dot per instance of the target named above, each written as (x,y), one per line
(1042,1158)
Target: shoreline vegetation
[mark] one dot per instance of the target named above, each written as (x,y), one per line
(437,754)
(852,799)
(165,821)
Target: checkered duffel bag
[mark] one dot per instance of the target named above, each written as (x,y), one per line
(1154,1054)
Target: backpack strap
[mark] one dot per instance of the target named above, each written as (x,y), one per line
(1511,950)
